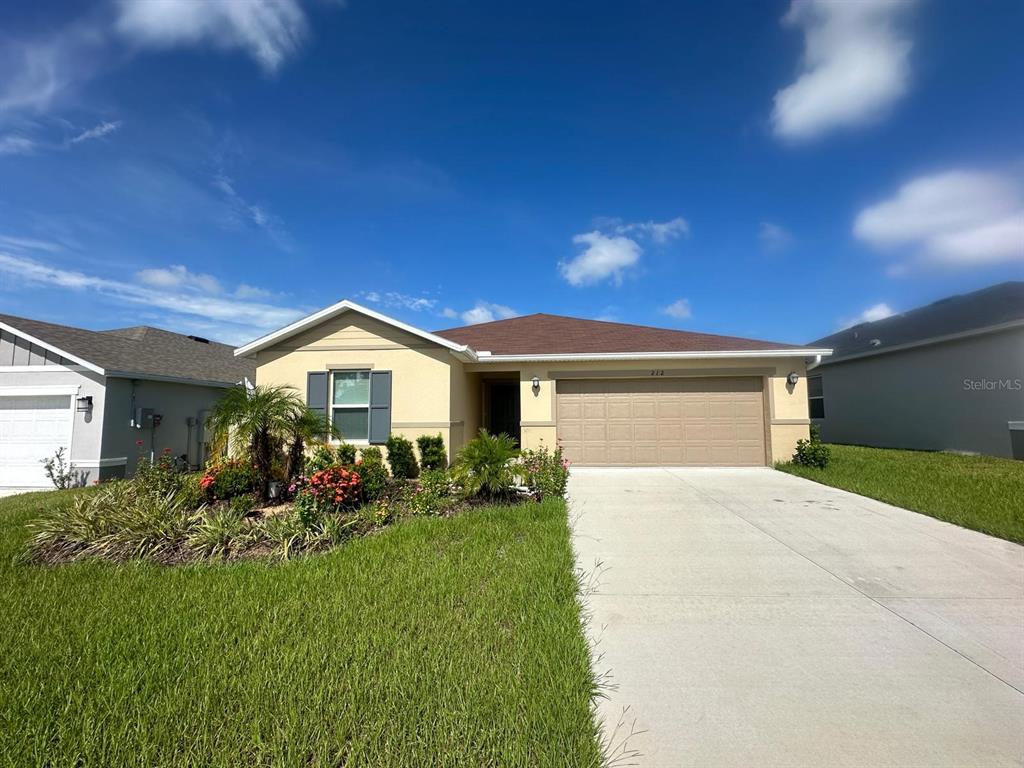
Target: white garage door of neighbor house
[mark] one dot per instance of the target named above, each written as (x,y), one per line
(32,428)
(662,421)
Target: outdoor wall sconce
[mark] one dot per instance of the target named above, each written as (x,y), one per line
(793,378)
(83,403)
(535,381)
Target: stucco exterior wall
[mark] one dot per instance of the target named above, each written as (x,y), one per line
(428,383)
(87,426)
(929,398)
(176,403)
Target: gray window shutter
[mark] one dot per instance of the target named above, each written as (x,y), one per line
(380,406)
(316,392)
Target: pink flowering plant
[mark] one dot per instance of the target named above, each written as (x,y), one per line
(544,473)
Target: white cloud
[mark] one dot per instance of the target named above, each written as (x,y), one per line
(97,132)
(32,76)
(486,312)
(270,31)
(244,211)
(855,65)
(450,313)
(679,309)
(659,232)
(29,244)
(605,257)
(959,218)
(871,314)
(234,319)
(396,300)
(246,291)
(177,276)
(16,145)
(773,237)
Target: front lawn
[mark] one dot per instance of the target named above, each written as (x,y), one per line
(439,641)
(979,492)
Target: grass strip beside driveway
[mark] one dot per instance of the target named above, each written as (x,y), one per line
(442,642)
(983,493)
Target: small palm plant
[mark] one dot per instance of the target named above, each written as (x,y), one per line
(261,418)
(484,466)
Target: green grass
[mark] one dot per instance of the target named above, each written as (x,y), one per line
(979,492)
(441,642)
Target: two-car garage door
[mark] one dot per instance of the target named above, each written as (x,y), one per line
(32,428)
(662,421)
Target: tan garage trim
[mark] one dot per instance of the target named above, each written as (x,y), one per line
(662,421)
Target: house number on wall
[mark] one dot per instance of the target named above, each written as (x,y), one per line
(657,372)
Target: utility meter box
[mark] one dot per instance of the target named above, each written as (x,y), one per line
(144,418)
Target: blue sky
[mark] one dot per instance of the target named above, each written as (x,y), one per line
(765,169)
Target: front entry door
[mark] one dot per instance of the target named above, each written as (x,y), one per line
(504,410)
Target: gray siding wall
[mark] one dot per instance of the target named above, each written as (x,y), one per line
(918,398)
(88,426)
(15,350)
(174,402)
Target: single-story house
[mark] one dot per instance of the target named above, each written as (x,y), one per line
(948,376)
(608,393)
(97,394)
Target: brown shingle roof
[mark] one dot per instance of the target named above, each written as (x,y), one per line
(542,334)
(143,350)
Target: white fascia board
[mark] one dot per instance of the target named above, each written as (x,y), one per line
(485,357)
(336,309)
(171,379)
(55,350)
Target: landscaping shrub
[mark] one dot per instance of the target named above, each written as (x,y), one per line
(227,478)
(327,491)
(483,467)
(243,504)
(433,496)
(322,457)
(157,477)
(401,458)
(190,491)
(432,452)
(810,453)
(374,473)
(59,470)
(545,473)
(346,454)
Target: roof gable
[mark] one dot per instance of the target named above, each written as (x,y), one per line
(544,334)
(332,311)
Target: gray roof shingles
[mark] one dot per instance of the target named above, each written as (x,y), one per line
(142,350)
(992,306)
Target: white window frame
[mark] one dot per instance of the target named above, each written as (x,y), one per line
(811,397)
(350,406)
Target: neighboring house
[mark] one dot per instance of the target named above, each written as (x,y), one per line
(609,393)
(97,394)
(948,376)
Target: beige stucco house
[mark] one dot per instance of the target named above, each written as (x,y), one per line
(608,393)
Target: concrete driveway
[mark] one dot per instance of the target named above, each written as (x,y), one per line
(749,618)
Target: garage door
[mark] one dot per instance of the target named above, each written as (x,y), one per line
(32,428)
(662,421)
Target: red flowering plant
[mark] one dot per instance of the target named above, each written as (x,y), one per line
(327,491)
